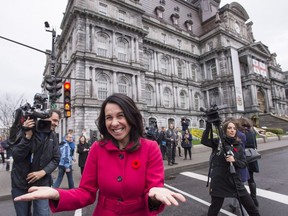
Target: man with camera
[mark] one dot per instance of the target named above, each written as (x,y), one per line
(36,156)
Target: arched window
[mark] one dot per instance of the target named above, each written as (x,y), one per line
(164,65)
(147,60)
(167,97)
(103,45)
(180,69)
(103,87)
(149,95)
(196,102)
(123,86)
(122,49)
(183,99)
(193,72)
(213,70)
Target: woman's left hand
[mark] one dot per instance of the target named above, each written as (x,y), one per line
(165,196)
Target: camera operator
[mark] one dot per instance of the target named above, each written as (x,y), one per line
(184,124)
(36,156)
(227,152)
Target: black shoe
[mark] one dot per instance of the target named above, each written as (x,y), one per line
(170,164)
(174,163)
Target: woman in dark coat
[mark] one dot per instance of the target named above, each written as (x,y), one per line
(223,182)
(82,149)
(251,142)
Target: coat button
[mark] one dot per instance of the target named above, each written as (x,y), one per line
(119,179)
(121,156)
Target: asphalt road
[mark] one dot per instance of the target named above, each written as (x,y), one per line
(272,182)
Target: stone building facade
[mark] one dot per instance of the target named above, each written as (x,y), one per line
(171,56)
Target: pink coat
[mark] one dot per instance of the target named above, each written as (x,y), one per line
(123,180)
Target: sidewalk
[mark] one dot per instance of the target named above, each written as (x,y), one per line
(200,156)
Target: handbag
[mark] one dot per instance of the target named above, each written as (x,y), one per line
(252,155)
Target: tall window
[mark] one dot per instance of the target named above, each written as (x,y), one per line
(147,61)
(213,70)
(122,49)
(103,45)
(123,86)
(193,72)
(164,65)
(180,69)
(183,100)
(167,97)
(102,8)
(102,87)
(149,95)
(196,102)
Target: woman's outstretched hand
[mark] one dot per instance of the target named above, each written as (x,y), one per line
(35,193)
(165,196)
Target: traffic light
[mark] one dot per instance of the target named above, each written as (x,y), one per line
(67,99)
(54,84)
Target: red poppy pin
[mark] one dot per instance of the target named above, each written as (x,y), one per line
(235,149)
(136,164)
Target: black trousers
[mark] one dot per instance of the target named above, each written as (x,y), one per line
(246,201)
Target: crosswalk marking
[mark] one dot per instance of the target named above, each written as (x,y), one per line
(198,199)
(78,212)
(260,192)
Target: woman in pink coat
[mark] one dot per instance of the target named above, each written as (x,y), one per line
(126,169)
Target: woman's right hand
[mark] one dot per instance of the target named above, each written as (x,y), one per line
(35,193)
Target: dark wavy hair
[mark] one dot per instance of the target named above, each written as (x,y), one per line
(132,115)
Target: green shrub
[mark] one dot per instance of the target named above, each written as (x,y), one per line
(277,131)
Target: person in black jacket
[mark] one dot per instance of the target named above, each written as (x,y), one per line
(83,149)
(225,183)
(35,157)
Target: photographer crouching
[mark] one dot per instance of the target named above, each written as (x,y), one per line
(36,155)
(226,159)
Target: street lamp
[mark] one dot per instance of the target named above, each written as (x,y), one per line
(53,58)
(54,84)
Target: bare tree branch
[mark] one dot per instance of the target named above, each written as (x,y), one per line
(8,104)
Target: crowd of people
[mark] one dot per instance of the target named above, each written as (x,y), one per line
(172,139)
(121,189)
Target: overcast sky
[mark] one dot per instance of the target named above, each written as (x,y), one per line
(22,68)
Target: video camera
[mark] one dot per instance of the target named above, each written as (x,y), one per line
(38,112)
(214,118)
(212,114)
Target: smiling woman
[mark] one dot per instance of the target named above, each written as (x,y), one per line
(125,169)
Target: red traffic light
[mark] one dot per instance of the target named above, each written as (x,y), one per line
(67,86)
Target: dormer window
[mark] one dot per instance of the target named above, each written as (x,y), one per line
(175,18)
(188,24)
(159,11)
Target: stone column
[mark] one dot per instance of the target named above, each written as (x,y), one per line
(132,50)
(134,88)
(137,50)
(114,83)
